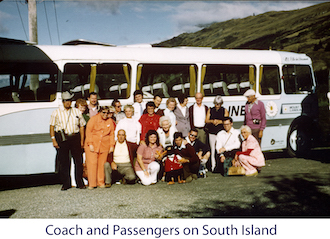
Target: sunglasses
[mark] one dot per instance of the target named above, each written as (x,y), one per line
(192,135)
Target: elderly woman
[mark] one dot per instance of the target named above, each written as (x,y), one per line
(130,124)
(169,111)
(165,131)
(182,115)
(146,165)
(251,157)
(100,141)
(214,119)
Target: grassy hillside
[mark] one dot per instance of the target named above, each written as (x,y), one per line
(305,30)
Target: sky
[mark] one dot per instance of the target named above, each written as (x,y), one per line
(126,22)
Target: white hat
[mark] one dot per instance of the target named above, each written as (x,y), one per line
(67,96)
(249,92)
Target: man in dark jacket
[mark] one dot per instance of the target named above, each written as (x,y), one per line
(197,115)
(202,150)
(189,158)
(121,160)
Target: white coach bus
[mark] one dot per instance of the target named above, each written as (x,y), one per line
(32,78)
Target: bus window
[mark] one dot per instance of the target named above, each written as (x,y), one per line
(28,82)
(270,80)
(227,80)
(297,79)
(166,80)
(108,80)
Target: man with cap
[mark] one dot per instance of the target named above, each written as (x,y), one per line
(67,134)
(255,114)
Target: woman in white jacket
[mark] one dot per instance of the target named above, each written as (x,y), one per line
(131,126)
(165,131)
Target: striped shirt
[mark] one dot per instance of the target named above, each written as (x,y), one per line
(69,120)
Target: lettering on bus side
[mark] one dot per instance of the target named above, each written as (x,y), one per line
(238,110)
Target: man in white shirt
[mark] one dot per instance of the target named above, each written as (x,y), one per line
(228,141)
(139,105)
(197,116)
(121,160)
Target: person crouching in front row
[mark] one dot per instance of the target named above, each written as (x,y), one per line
(189,160)
(121,160)
(146,165)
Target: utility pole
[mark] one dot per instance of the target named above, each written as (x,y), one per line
(33,35)
(33,28)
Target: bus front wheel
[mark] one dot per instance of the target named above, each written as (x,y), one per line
(299,143)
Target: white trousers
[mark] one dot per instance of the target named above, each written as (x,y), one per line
(212,140)
(153,169)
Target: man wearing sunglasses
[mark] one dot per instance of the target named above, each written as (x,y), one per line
(202,150)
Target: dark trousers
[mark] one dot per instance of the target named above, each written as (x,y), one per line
(71,145)
(255,133)
(190,168)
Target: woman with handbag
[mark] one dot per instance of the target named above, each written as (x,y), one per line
(251,157)
(100,141)
(214,124)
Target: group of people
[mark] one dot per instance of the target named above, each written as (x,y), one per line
(147,144)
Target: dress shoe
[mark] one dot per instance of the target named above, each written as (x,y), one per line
(253,174)
(64,188)
(189,179)
(102,186)
(82,187)
(108,185)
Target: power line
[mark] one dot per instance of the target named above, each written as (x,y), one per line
(51,42)
(58,31)
(19,12)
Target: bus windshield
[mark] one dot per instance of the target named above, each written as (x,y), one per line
(297,79)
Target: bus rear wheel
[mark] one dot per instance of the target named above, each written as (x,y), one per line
(298,142)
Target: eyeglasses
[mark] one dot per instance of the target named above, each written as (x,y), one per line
(106,112)
(192,135)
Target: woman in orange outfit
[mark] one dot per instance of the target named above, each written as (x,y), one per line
(100,141)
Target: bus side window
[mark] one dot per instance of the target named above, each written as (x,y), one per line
(166,80)
(28,82)
(270,80)
(108,80)
(226,80)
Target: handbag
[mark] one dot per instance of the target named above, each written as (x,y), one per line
(236,170)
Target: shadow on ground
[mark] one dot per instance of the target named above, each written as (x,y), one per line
(321,155)
(301,195)
(7,213)
(24,181)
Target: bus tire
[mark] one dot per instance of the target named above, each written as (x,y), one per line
(298,142)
